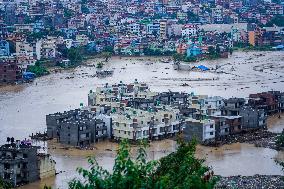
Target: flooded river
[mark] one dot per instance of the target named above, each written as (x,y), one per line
(23,108)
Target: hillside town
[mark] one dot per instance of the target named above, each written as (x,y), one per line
(37,34)
(132,111)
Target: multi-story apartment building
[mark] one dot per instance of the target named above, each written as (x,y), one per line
(253,118)
(82,131)
(21,164)
(265,100)
(232,106)
(79,127)
(189,30)
(4,48)
(10,72)
(119,92)
(201,130)
(135,124)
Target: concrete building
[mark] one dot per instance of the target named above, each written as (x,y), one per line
(163,29)
(201,130)
(253,118)
(10,72)
(18,163)
(21,164)
(227,125)
(156,123)
(53,121)
(280,99)
(82,131)
(4,48)
(189,30)
(264,100)
(214,105)
(153,28)
(79,127)
(168,98)
(232,106)
(221,126)
(46,166)
(119,93)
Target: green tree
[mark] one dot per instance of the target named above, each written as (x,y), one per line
(4,184)
(68,13)
(85,9)
(181,169)
(211,50)
(106,55)
(127,172)
(178,170)
(38,69)
(278,20)
(280,140)
(192,17)
(109,49)
(75,55)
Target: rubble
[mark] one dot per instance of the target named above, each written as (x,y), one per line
(251,182)
(260,138)
(40,136)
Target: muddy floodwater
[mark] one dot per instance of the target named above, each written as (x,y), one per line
(23,108)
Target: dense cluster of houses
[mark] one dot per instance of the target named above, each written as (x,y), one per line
(132,111)
(32,30)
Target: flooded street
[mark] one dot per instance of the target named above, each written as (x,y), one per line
(23,108)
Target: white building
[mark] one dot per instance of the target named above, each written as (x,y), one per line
(189,30)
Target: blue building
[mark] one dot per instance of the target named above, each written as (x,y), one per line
(153,28)
(193,51)
(4,48)
(92,47)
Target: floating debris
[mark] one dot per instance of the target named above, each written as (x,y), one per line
(104,73)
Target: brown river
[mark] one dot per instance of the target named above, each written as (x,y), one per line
(23,108)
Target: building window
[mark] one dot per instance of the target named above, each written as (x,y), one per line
(6,166)
(211,133)
(211,126)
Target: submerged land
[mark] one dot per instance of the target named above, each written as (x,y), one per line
(243,73)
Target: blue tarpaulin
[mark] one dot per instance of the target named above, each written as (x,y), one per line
(202,67)
(279,46)
(29,75)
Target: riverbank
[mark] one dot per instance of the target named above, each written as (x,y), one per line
(251,182)
(260,138)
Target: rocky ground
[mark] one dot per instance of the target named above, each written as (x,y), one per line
(261,138)
(251,182)
(265,142)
